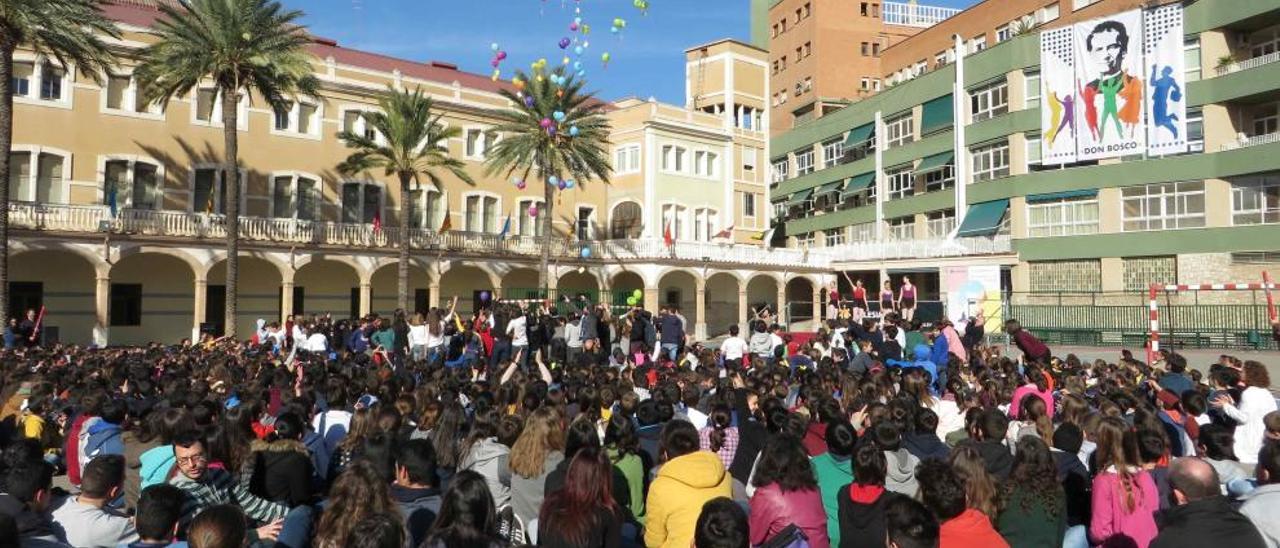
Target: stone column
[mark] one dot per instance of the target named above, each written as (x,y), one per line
(651,299)
(102,310)
(286,298)
(782,304)
(366,297)
(744,311)
(201,305)
(433,294)
(700,310)
(818,310)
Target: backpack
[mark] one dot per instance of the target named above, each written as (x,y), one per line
(789,537)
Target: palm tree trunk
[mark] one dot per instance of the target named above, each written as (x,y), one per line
(548,193)
(402,281)
(230,167)
(6,144)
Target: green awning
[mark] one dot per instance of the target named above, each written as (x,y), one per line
(1055,196)
(858,183)
(937,161)
(983,218)
(859,135)
(799,197)
(829,188)
(937,115)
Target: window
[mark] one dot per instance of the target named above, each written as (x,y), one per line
(134,184)
(206,99)
(863,10)
(526,225)
(808,84)
(977,44)
(23,74)
(1003,33)
(900,130)
(1049,13)
(126,304)
(207,109)
(586,222)
(1031,89)
(749,159)
(775,67)
(775,34)
(295,196)
(1195,129)
(1163,206)
(832,152)
(991,162)
(424,208)
(939,179)
(1191,59)
(209,190)
(1066,217)
(475,143)
(804,163)
(481,213)
(989,101)
(1264,42)
(1256,199)
(353,122)
(705,164)
(298,118)
(51,82)
(807,10)
(1079,4)
(781,170)
(673,158)
(282,116)
(808,49)
(1033,151)
(875,49)
(835,237)
(704,224)
(862,232)
(748,204)
(626,159)
(673,220)
(902,228)
(865,84)
(900,182)
(940,223)
(1265,120)
(627,221)
(783,62)
(47,185)
(866,49)
(361,202)
(116,90)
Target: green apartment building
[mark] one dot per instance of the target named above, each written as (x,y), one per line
(942,171)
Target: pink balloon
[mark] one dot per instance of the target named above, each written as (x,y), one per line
(533,211)
(545,123)
(502,55)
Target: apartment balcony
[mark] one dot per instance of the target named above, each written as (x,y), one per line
(934,248)
(1244,141)
(910,14)
(210,229)
(1247,64)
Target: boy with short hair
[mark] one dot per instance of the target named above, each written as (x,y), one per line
(86,519)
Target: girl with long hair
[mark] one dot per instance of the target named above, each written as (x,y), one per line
(482,453)
(979,486)
(1038,383)
(583,512)
(467,518)
(1033,420)
(1255,402)
(719,435)
(1033,505)
(358,493)
(786,493)
(535,454)
(622,445)
(1124,495)
(363,424)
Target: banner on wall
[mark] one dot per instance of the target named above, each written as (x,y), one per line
(972,290)
(1166,76)
(1111,80)
(1058,98)
(1113,86)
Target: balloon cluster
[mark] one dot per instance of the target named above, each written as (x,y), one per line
(635,298)
(499,55)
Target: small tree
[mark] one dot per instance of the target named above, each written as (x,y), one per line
(410,144)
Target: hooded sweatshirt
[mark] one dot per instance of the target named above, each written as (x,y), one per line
(861,519)
(900,472)
(156,464)
(104,439)
(420,506)
(1261,506)
(970,529)
(922,361)
(489,459)
(676,497)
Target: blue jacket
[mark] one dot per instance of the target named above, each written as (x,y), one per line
(104,439)
(156,464)
(941,353)
(359,341)
(922,362)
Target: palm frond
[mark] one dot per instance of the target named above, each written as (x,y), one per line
(69,31)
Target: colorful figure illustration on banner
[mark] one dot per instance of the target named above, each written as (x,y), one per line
(1166,90)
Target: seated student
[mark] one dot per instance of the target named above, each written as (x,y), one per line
(159,508)
(219,526)
(1074,477)
(378,531)
(943,494)
(86,520)
(991,429)
(414,489)
(25,499)
(721,524)
(1202,516)
(862,503)
(1262,505)
(908,524)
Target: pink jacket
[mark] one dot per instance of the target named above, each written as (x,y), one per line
(1021,392)
(954,345)
(1114,525)
(772,510)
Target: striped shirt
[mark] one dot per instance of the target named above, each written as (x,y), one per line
(218,486)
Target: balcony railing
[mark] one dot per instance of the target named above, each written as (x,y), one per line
(1248,63)
(1252,140)
(201,226)
(910,14)
(920,249)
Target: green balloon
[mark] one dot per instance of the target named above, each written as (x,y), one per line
(631,301)
(638,294)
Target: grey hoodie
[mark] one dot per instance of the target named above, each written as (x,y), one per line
(1261,506)
(489,458)
(900,472)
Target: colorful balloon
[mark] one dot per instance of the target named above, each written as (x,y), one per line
(605,57)
(520,185)
(553,180)
(558,115)
(568,183)
(564,43)
(502,55)
(563,185)
(545,123)
(577,50)
(638,294)
(573,131)
(631,301)
(533,211)
(495,75)
(493,46)
(573,27)
(528,101)
(586,253)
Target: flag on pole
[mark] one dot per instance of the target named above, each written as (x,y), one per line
(447,225)
(666,235)
(111,200)
(506,227)
(765,237)
(726,234)
(377,221)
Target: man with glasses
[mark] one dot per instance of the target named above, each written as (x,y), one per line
(206,487)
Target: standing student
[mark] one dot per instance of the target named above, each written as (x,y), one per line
(907,299)
(860,297)
(1255,403)
(886,299)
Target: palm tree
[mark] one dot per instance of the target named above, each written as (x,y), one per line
(242,47)
(69,31)
(551,130)
(411,144)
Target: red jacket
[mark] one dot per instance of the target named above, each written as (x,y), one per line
(1031,346)
(970,529)
(72,448)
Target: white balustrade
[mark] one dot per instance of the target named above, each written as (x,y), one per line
(1247,64)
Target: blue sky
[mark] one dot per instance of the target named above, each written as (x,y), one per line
(647,58)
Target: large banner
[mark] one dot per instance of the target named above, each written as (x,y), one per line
(1057,99)
(1166,109)
(1110,77)
(973,290)
(1113,86)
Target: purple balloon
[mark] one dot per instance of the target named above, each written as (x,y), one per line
(528,101)
(484,296)
(564,43)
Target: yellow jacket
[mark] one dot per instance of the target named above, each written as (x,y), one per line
(676,497)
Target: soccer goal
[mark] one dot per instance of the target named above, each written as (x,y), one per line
(1153,343)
